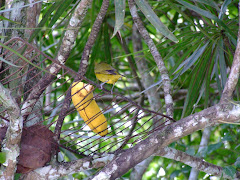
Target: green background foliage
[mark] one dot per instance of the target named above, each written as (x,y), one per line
(199,64)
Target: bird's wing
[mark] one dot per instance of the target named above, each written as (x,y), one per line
(112,71)
(108,71)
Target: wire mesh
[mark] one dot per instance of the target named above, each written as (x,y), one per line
(128,122)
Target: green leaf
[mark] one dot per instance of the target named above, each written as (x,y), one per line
(190,151)
(192,59)
(197,9)
(202,152)
(230,171)
(45,18)
(237,162)
(222,64)
(186,169)
(187,53)
(215,69)
(21,56)
(196,80)
(208,80)
(119,15)
(153,18)
(178,47)
(175,174)
(214,147)
(2,157)
(228,137)
(107,44)
(59,12)
(11,64)
(208,15)
(237,148)
(6,19)
(173,5)
(210,3)
(224,8)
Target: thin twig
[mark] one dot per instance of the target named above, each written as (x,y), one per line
(92,38)
(63,112)
(193,161)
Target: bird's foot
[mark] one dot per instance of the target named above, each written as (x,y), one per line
(112,89)
(101,85)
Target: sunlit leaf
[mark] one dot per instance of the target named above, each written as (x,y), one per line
(59,12)
(208,15)
(191,60)
(210,3)
(224,8)
(119,15)
(2,157)
(153,18)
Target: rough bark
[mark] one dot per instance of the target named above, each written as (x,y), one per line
(11,146)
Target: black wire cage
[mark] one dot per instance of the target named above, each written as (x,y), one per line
(45,98)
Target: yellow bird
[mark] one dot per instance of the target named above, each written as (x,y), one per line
(106,73)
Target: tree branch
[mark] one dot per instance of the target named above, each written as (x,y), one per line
(208,117)
(66,168)
(153,96)
(13,136)
(203,144)
(234,73)
(194,162)
(157,57)
(140,168)
(32,17)
(92,37)
(147,80)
